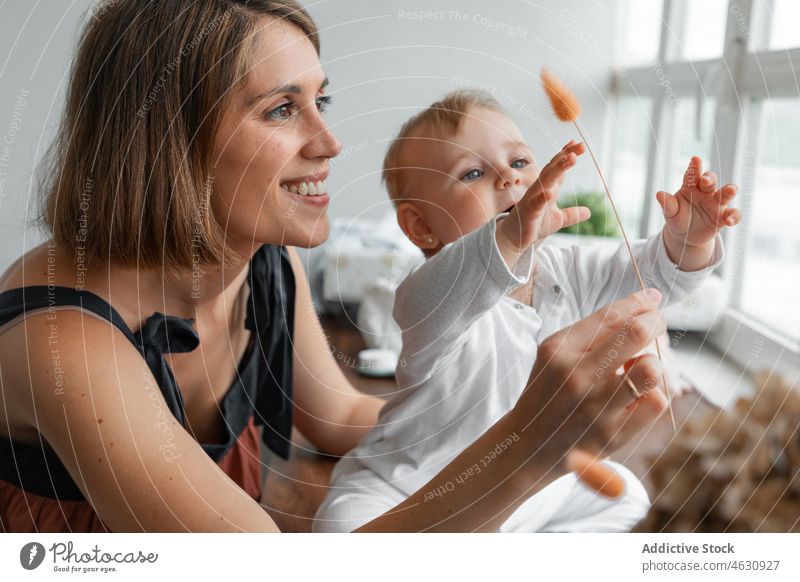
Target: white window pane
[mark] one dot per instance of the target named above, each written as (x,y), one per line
(641,31)
(784,17)
(633,133)
(771,275)
(700,26)
(692,123)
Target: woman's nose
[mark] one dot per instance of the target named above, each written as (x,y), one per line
(322,143)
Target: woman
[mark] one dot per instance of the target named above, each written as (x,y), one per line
(180,180)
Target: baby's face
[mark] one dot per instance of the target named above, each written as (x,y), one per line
(467,179)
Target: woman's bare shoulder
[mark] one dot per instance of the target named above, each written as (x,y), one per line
(46,264)
(38,354)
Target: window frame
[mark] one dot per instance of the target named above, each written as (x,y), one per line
(740,74)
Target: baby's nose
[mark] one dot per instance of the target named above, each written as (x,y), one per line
(508,180)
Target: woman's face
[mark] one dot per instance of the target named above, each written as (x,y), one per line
(273,146)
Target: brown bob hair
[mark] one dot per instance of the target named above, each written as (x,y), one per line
(127,180)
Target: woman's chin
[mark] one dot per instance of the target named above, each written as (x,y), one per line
(314,236)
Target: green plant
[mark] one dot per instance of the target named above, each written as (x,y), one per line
(602,222)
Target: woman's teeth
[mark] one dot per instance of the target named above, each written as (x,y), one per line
(307,188)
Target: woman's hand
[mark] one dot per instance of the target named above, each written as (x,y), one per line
(576,397)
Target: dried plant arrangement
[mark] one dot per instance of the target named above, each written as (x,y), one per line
(735,470)
(567,108)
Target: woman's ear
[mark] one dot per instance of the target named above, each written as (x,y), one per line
(413,224)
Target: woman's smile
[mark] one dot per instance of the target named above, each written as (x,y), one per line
(308,189)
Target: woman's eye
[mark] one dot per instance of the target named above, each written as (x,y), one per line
(521,163)
(323,102)
(472,175)
(286,110)
(280,112)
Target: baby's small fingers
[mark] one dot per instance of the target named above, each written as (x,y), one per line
(567,160)
(693,172)
(575,215)
(732,217)
(669,203)
(534,203)
(708,182)
(727,193)
(575,147)
(553,172)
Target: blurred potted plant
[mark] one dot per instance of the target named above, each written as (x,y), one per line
(600,230)
(602,222)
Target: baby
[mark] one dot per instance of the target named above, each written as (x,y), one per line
(468,194)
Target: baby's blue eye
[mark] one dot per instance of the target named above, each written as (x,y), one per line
(472,175)
(521,163)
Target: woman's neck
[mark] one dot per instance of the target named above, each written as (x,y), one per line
(208,291)
(193,294)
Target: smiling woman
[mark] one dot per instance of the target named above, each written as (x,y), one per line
(168,320)
(202,73)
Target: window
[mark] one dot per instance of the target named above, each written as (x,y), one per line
(772,254)
(698,29)
(641,26)
(633,131)
(779,29)
(722,84)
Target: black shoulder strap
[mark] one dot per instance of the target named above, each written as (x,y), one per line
(271,317)
(20,300)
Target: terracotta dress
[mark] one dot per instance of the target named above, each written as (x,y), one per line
(37,493)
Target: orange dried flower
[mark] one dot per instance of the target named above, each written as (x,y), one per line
(564,102)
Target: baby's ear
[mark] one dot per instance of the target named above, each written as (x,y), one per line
(412,222)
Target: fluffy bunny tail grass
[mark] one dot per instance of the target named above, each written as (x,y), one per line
(564,102)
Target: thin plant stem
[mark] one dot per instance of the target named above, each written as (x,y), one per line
(633,259)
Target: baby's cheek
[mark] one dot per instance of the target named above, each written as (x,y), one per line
(530,174)
(466,217)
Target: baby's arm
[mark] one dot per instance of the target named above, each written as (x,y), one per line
(596,278)
(438,301)
(675,261)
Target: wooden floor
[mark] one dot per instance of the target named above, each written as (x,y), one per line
(294,489)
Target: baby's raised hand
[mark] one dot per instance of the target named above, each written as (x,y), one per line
(699,210)
(536,215)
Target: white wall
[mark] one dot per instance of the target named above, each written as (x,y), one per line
(384,63)
(36,44)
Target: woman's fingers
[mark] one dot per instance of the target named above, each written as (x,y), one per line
(629,339)
(644,372)
(605,323)
(642,414)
